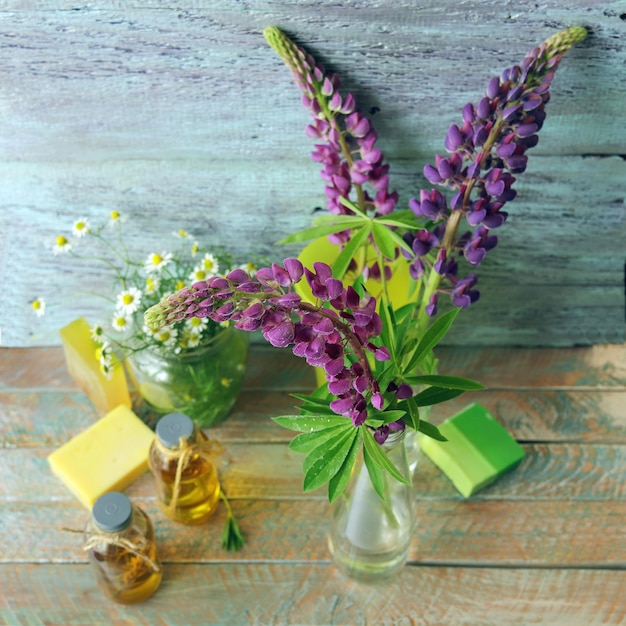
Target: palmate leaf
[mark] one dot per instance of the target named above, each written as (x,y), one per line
(309,423)
(339,481)
(431,338)
(307,442)
(449,382)
(326,460)
(436,395)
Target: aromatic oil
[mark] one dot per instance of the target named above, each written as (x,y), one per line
(121,547)
(187,481)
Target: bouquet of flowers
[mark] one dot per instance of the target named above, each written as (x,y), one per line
(140,282)
(377,354)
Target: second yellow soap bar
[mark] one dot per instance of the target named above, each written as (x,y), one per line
(84,368)
(108,456)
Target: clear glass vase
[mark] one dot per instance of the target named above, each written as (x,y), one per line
(369,539)
(203,383)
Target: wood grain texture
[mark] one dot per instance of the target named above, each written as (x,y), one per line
(179,114)
(316,594)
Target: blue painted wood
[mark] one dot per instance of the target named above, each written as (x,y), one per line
(179,114)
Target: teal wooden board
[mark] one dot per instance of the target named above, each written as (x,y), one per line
(181,115)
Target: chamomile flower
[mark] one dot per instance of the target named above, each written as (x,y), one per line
(166,336)
(104,352)
(156,262)
(180,284)
(61,245)
(249,267)
(181,234)
(97,332)
(39,306)
(209,264)
(116,218)
(189,340)
(195,325)
(198,274)
(81,227)
(152,284)
(120,322)
(129,300)
(195,246)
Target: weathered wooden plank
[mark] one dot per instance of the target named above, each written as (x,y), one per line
(531,284)
(90,103)
(50,419)
(495,533)
(266,471)
(592,367)
(238,594)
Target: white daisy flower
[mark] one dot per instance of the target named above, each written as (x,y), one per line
(181,234)
(39,306)
(209,264)
(198,274)
(97,332)
(116,218)
(166,336)
(180,284)
(120,322)
(195,325)
(152,284)
(192,340)
(61,245)
(249,267)
(195,246)
(156,262)
(81,227)
(129,300)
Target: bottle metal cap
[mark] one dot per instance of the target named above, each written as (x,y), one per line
(172,427)
(112,512)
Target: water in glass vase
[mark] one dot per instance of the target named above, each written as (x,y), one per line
(369,539)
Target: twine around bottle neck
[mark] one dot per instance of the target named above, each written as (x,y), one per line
(135,547)
(204,449)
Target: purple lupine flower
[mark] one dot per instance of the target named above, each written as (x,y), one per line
(485,151)
(351,161)
(323,335)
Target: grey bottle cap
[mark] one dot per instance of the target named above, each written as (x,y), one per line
(112,512)
(172,427)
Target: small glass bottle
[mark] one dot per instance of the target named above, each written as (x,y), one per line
(186,478)
(120,544)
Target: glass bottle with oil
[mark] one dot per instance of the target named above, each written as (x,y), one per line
(121,547)
(186,478)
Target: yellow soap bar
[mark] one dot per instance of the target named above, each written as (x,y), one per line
(84,368)
(108,456)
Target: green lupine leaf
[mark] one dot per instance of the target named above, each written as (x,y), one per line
(412,418)
(431,338)
(321,450)
(309,423)
(380,458)
(321,231)
(387,335)
(338,482)
(353,207)
(436,395)
(328,463)
(431,431)
(376,474)
(383,240)
(306,442)
(341,264)
(449,382)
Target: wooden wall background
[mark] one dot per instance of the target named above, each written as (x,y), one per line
(179,115)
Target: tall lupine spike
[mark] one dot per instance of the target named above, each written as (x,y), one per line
(343,323)
(351,162)
(485,151)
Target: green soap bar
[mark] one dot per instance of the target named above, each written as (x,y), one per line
(478,449)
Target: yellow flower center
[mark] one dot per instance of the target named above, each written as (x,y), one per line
(128,298)
(195,321)
(61,241)
(179,285)
(156,259)
(200,274)
(208,264)
(115,215)
(182,233)
(36,305)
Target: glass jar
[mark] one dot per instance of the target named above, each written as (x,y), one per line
(121,547)
(369,538)
(186,479)
(202,382)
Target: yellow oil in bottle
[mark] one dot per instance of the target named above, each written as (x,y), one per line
(121,547)
(186,479)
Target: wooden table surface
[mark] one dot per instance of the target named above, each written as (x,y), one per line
(545,544)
